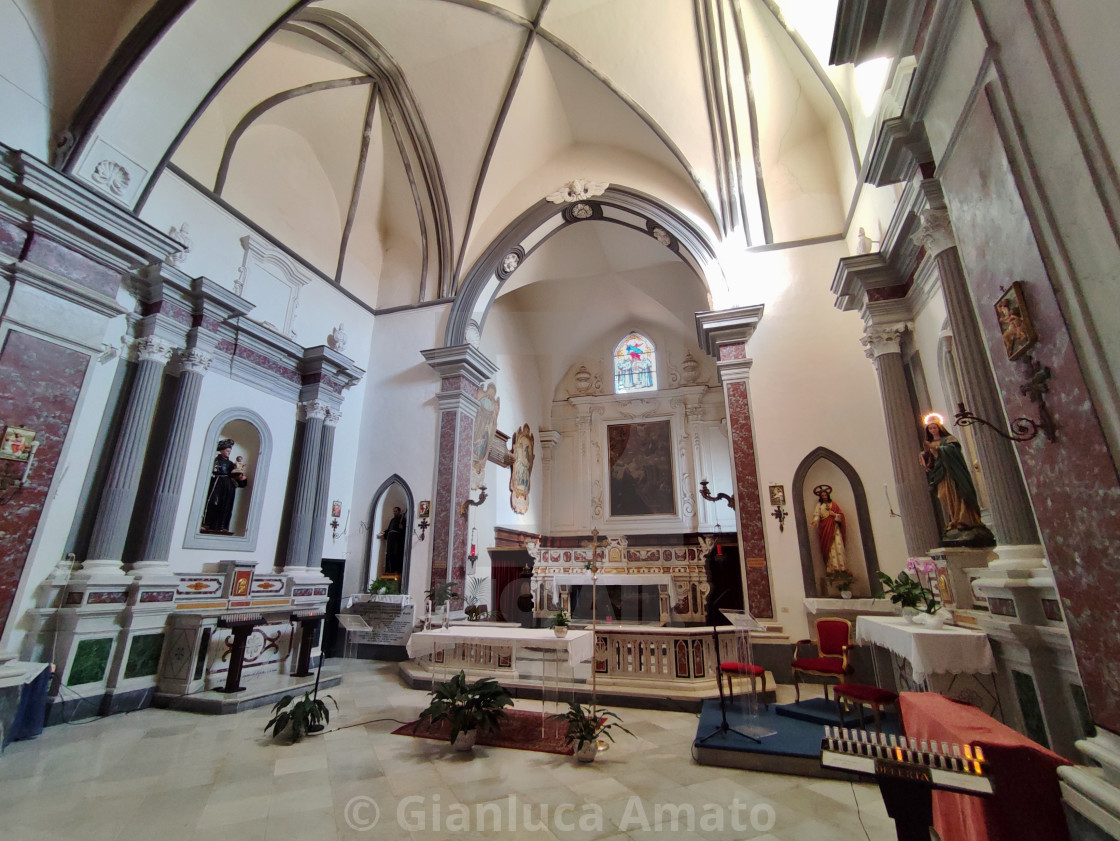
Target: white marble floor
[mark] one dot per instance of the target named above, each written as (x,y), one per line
(159,775)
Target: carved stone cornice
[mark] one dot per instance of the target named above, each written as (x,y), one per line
(901,146)
(463,361)
(881,339)
(718,332)
(935,231)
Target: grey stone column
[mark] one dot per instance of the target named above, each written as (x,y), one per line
(882,343)
(118,494)
(322,489)
(307,481)
(156,546)
(1012,516)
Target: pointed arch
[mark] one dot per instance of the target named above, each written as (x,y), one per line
(863,517)
(618,205)
(369,561)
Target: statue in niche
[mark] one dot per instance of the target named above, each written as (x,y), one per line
(829,520)
(393,535)
(226,477)
(948,475)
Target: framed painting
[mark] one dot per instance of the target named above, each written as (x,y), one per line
(777,495)
(640,458)
(485,424)
(16,444)
(1015,326)
(521,470)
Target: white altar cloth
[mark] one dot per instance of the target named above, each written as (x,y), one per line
(815,606)
(578,644)
(606,579)
(949,649)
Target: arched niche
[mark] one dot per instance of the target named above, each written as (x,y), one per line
(252,443)
(394,491)
(823,466)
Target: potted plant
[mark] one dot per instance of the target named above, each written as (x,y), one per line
(842,580)
(467,707)
(384,587)
(560,622)
(585,729)
(475,587)
(307,715)
(914,599)
(439,595)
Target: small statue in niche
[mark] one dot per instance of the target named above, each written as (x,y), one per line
(226,477)
(394,535)
(829,520)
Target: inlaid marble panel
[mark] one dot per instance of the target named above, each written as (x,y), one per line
(82,270)
(748,505)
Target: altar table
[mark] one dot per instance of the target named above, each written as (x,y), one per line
(577,644)
(947,649)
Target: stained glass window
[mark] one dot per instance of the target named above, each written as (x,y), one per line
(635,365)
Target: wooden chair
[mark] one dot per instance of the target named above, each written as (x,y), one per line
(857,694)
(832,654)
(730,668)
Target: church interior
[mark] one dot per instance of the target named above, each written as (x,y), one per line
(677,356)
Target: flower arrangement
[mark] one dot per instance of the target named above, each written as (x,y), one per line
(841,579)
(908,592)
(384,587)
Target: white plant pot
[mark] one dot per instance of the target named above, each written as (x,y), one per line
(465,740)
(560,630)
(588,752)
(845,594)
(911,614)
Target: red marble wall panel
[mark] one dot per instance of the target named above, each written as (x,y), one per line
(732,351)
(444,499)
(748,505)
(1073,484)
(460,533)
(61,260)
(12,239)
(39,385)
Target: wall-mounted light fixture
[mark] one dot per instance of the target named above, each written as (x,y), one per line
(1023,429)
(472,556)
(704,492)
(468,502)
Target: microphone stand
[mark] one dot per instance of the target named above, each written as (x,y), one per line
(723,728)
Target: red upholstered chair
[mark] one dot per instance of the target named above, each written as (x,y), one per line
(730,668)
(857,694)
(832,654)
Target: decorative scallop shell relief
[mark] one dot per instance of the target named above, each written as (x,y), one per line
(112,177)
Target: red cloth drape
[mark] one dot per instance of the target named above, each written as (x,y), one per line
(1027,805)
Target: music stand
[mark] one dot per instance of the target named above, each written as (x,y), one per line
(743,623)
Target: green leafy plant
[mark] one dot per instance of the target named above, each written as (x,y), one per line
(909,592)
(467,706)
(842,579)
(442,593)
(476,586)
(583,727)
(302,715)
(560,619)
(384,587)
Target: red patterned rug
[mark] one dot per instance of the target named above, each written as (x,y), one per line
(521,730)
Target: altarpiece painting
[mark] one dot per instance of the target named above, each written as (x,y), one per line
(641,468)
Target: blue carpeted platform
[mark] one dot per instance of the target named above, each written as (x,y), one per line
(820,711)
(794,749)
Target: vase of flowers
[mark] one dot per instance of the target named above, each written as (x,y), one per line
(909,594)
(560,622)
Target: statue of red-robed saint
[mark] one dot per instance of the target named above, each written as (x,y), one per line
(829,520)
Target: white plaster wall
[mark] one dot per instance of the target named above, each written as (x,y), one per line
(398,424)
(929,325)
(812,386)
(25,100)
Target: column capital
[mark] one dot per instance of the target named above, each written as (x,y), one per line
(461,367)
(151,349)
(880,339)
(195,361)
(313,409)
(332,417)
(935,231)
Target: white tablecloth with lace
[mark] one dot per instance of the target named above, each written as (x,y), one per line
(945,650)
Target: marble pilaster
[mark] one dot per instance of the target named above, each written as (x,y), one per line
(1012,515)
(118,495)
(882,344)
(725,335)
(322,489)
(156,546)
(462,369)
(307,482)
